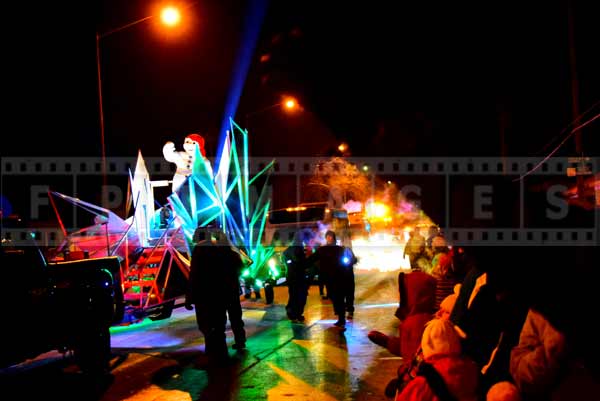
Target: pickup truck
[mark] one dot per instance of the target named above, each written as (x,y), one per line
(66,306)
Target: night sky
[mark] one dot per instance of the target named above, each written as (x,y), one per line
(390,78)
(421,79)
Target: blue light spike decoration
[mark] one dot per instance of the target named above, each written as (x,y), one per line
(237,183)
(246,167)
(224,197)
(248,216)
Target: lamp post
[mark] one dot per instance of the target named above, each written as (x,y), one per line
(288,103)
(170,17)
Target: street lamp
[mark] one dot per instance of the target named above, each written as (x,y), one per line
(169,16)
(343,149)
(289,103)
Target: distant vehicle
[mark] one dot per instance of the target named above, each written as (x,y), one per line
(282,224)
(313,218)
(64,306)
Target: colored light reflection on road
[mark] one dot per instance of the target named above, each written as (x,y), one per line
(127,328)
(291,387)
(338,357)
(154,392)
(152,339)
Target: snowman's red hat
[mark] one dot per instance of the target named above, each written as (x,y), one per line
(199,140)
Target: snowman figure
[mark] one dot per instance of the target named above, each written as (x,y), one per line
(184,159)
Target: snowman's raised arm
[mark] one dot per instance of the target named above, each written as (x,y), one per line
(170,153)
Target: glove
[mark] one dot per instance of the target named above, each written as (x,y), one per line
(189,306)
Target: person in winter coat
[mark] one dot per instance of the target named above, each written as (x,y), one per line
(543,365)
(442,271)
(414,248)
(490,312)
(557,355)
(330,259)
(214,292)
(444,374)
(295,259)
(348,284)
(409,368)
(416,308)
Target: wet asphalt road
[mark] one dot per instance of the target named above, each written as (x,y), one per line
(164,360)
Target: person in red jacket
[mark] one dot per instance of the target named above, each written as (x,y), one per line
(416,308)
(444,374)
(409,368)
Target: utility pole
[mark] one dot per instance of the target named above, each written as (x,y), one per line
(503,126)
(575,93)
(104,196)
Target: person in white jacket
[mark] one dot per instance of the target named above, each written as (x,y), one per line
(184,159)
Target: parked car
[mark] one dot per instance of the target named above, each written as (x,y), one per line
(64,306)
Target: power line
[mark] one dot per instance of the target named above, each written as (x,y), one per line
(558,147)
(575,121)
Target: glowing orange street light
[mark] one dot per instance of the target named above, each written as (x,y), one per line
(290,103)
(170,16)
(343,147)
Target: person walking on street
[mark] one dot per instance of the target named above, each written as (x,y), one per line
(295,260)
(329,257)
(348,285)
(214,292)
(414,248)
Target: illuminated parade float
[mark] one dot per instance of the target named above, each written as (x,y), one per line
(154,244)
